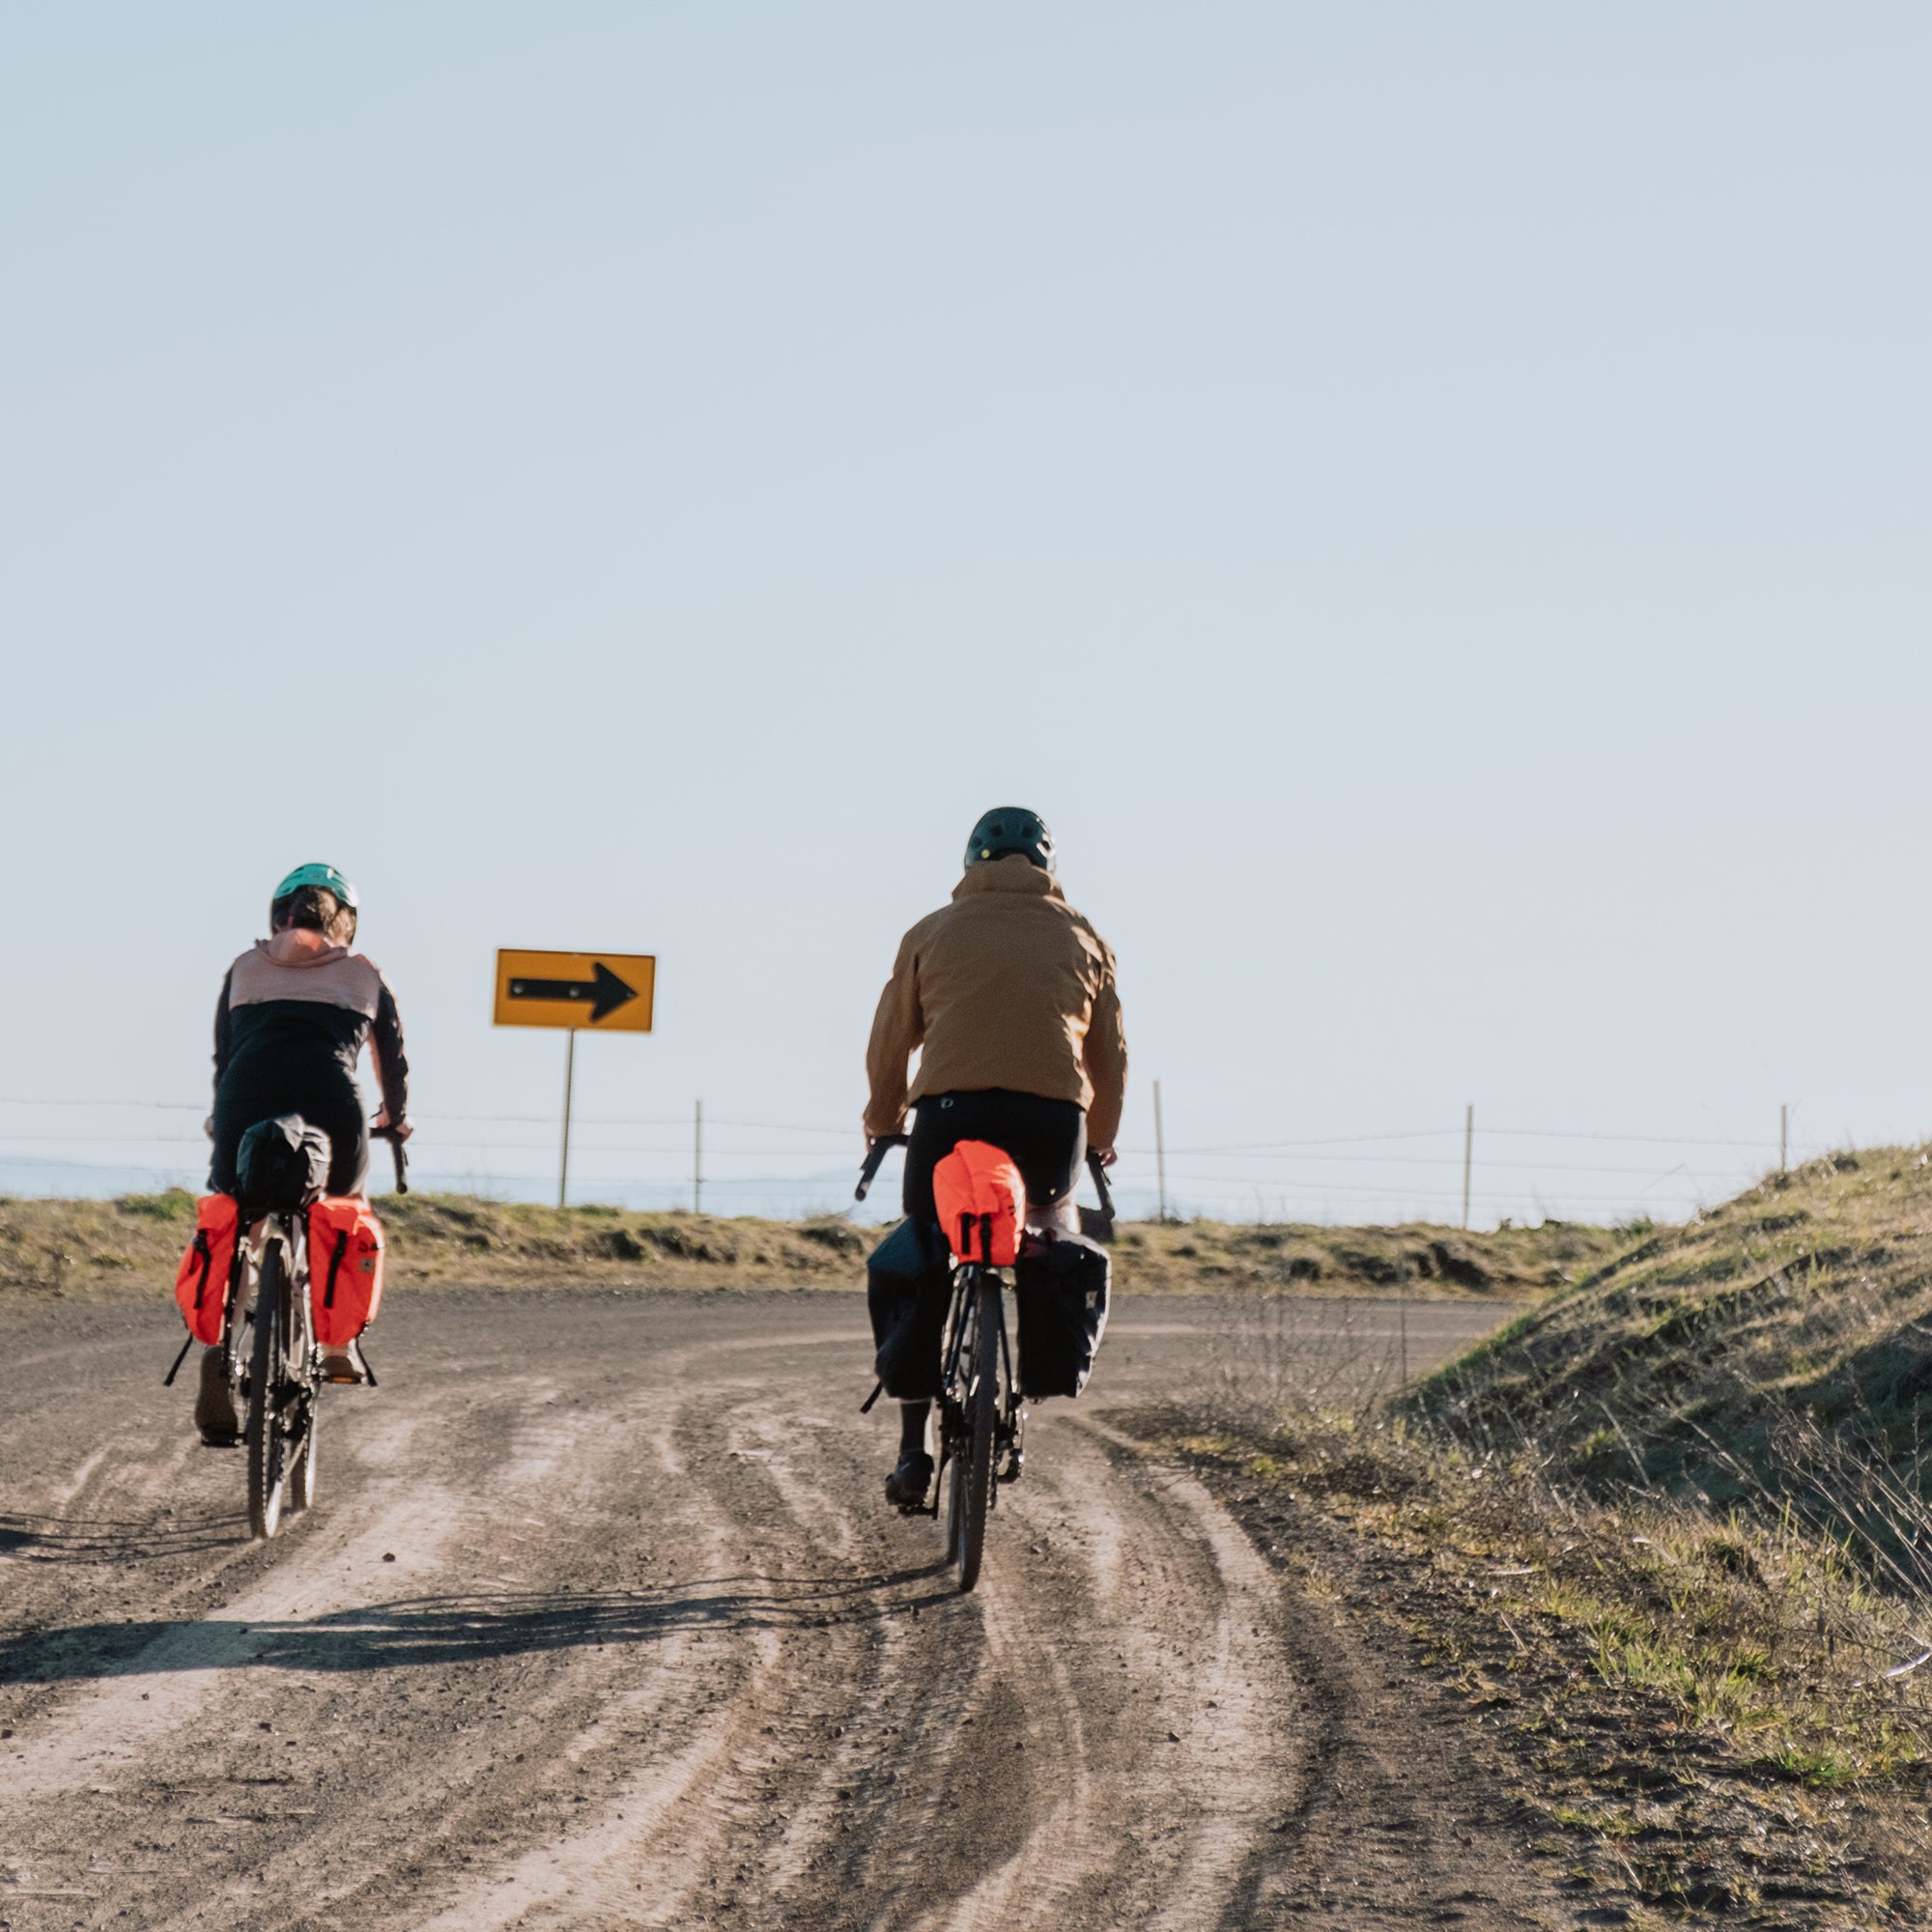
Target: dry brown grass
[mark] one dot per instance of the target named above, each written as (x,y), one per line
(1670,1534)
(1697,1710)
(117,1249)
(129,1248)
(1773,1356)
(1226,1258)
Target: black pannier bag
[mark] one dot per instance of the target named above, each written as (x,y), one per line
(907,1283)
(1061,1282)
(281,1165)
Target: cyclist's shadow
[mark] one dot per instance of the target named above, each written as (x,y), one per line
(470,1628)
(118,1540)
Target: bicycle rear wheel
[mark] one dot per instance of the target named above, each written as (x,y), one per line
(267,1473)
(972,1472)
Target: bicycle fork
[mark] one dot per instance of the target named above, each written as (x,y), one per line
(1010,1432)
(952,1408)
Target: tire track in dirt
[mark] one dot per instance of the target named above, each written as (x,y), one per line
(1173,1733)
(201,1683)
(651,1653)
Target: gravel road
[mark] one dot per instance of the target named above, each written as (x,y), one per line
(600,1621)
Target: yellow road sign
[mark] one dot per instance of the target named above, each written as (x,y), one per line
(603,993)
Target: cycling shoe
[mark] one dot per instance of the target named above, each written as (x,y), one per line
(907,1484)
(344,1364)
(215,1405)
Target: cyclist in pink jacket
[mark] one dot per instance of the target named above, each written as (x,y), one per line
(295,1014)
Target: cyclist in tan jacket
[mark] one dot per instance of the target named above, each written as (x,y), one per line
(1009,997)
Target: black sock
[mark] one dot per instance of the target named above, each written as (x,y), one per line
(912,1425)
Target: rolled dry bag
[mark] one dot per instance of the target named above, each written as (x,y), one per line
(201,1281)
(345,1268)
(1061,1282)
(981,1203)
(908,1280)
(281,1165)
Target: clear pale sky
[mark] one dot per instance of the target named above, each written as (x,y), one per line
(1431,502)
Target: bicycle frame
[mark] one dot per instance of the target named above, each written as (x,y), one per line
(291,1229)
(957,1379)
(279,1414)
(979,1421)
(280,1428)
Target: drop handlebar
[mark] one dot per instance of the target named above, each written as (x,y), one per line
(876,1153)
(401,1159)
(1097,1168)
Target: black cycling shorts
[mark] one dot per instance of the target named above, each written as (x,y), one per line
(319,1092)
(1047,1140)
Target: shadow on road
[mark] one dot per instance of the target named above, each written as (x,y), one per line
(66,1539)
(461,1628)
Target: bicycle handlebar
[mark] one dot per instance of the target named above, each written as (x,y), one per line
(875,1157)
(402,1160)
(1097,1168)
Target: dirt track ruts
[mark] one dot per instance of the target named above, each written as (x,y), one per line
(600,1621)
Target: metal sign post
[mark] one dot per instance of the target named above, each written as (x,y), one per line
(592,992)
(1159,1155)
(569,1075)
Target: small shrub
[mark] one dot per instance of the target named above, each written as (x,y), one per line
(839,1236)
(177,1204)
(1821,1767)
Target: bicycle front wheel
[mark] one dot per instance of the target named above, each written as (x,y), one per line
(972,1472)
(302,1466)
(267,1473)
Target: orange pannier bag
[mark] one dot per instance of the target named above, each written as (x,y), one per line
(201,1281)
(345,1268)
(981,1203)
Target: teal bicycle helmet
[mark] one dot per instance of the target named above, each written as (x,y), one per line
(324,877)
(311,880)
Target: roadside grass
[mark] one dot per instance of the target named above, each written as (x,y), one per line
(126,1248)
(1668,1535)
(1696,1708)
(1774,1355)
(129,1248)
(1509,1263)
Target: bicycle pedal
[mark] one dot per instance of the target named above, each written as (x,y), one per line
(348,1368)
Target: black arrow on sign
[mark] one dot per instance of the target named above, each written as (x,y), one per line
(603,991)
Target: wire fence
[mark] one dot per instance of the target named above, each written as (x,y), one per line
(51,1146)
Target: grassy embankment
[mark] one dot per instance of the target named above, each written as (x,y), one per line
(127,1248)
(1669,1536)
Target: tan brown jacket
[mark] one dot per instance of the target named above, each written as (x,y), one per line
(1007,987)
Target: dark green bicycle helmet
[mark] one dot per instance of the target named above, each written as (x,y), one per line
(1011,827)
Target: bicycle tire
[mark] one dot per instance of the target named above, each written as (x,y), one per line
(266,1475)
(955,1507)
(301,1464)
(952,1457)
(976,1473)
(302,1471)
(951,1474)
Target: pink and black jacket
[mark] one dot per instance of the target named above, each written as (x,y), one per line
(294,1017)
